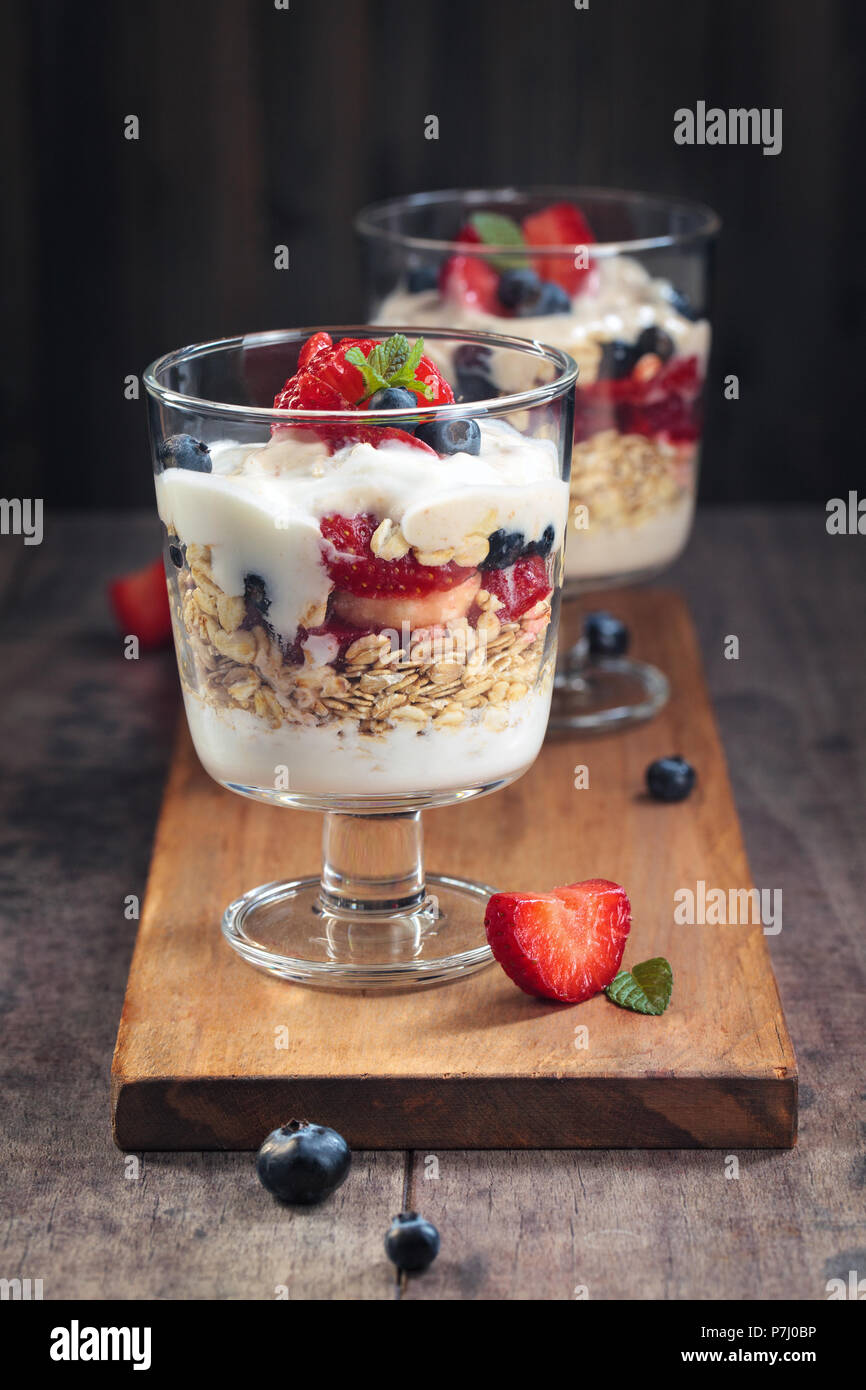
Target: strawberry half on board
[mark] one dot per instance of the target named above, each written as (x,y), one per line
(565,945)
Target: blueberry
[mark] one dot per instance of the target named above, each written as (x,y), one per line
(655,340)
(256,593)
(182,451)
(472,357)
(475,386)
(177,552)
(682,304)
(472,368)
(617,360)
(421,278)
(451,436)
(303,1163)
(606,635)
(412,1243)
(553,299)
(392,398)
(670,779)
(543,546)
(505,548)
(517,287)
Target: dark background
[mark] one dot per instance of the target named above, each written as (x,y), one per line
(261,126)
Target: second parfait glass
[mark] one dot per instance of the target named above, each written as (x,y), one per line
(365,606)
(620,281)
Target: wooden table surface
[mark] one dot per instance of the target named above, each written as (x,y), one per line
(86,742)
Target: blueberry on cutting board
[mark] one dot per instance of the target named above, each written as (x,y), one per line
(670,779)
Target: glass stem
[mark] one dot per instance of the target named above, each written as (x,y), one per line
(372,863)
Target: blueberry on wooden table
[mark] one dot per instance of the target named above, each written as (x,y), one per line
(303,1163)
(670,779)
(412,1243)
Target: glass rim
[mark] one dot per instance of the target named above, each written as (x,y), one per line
(708,225)
(495,405)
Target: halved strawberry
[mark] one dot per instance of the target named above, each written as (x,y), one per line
(519,587)
(468,234)
(140,603)
(566,944)
(317,345)
(424,609)
(428,372)
(562,224)
(307,391)
(354,568)
(349,433)
(470,280)
(334,370)
(327,380)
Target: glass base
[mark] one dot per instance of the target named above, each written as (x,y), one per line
(597,694)
(290,930)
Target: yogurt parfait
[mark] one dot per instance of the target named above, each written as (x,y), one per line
(616,280)
(363,575)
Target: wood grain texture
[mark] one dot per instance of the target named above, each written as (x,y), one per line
(87,741)
(476,1063)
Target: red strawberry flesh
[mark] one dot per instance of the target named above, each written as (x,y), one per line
(565,945)
(352,565)
(140,603)
(471,281)
(325,380)
(561,224)
(519,587)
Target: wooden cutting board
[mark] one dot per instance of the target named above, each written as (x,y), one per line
(213,1054)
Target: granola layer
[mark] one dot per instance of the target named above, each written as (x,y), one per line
(623,480)
(443,677)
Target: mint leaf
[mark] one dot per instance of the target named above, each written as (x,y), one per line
(496,229)
(645,989)
(392,363)
(373,380)
(396,351)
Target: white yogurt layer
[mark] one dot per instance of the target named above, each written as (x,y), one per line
(617,300)
(260,508)
(600,552)
(236,747)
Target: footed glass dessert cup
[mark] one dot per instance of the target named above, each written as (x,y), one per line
(364,579)
(618,280)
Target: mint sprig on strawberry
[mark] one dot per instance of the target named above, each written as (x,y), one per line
(645,989)
(391,363)
(495,229)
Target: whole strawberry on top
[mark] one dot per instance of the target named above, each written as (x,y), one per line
(367,374)
(512,283)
